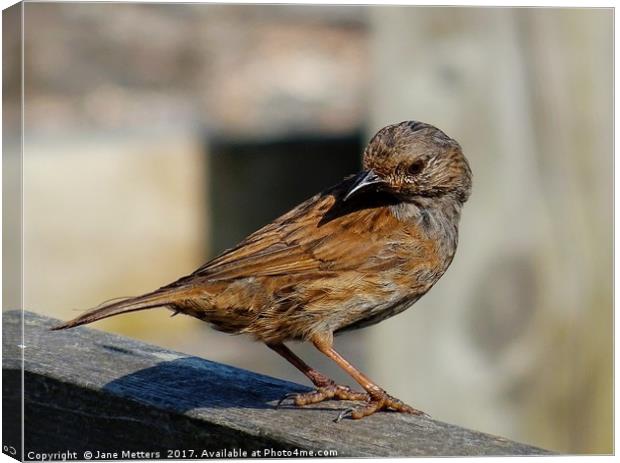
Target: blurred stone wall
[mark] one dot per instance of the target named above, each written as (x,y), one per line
(243,70)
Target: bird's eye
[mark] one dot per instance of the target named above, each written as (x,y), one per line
(416,167)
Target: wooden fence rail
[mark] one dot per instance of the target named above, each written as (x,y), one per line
(90,391)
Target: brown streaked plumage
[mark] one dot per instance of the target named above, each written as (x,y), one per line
(351,256)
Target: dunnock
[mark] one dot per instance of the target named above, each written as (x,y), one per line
(355,254)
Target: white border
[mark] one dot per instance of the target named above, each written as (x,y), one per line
(564,4)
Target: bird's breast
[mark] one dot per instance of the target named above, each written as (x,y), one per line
(414,256)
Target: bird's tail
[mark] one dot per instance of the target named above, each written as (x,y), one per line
(159,298)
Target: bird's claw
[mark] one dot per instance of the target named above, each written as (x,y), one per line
(329,392)
(379,401)
(290,395)
(375,401)
(343,414)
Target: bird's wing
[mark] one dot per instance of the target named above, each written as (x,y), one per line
(303,242)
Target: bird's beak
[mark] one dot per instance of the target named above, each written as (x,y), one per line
(363,182)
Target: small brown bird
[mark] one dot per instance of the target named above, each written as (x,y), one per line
(355,254)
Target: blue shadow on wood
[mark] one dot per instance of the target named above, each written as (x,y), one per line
(190,383)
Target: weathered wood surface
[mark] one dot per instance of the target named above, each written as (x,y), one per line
(90,390)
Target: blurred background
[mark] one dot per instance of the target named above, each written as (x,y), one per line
(158,135)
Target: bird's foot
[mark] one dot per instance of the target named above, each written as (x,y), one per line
(379,400)
(331,391)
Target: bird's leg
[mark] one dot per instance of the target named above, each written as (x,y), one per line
(326,388)
(377,399)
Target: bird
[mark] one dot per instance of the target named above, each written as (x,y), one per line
(349,257)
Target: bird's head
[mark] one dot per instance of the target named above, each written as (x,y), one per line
(412,160)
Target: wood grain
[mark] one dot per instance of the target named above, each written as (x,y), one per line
(90,390)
